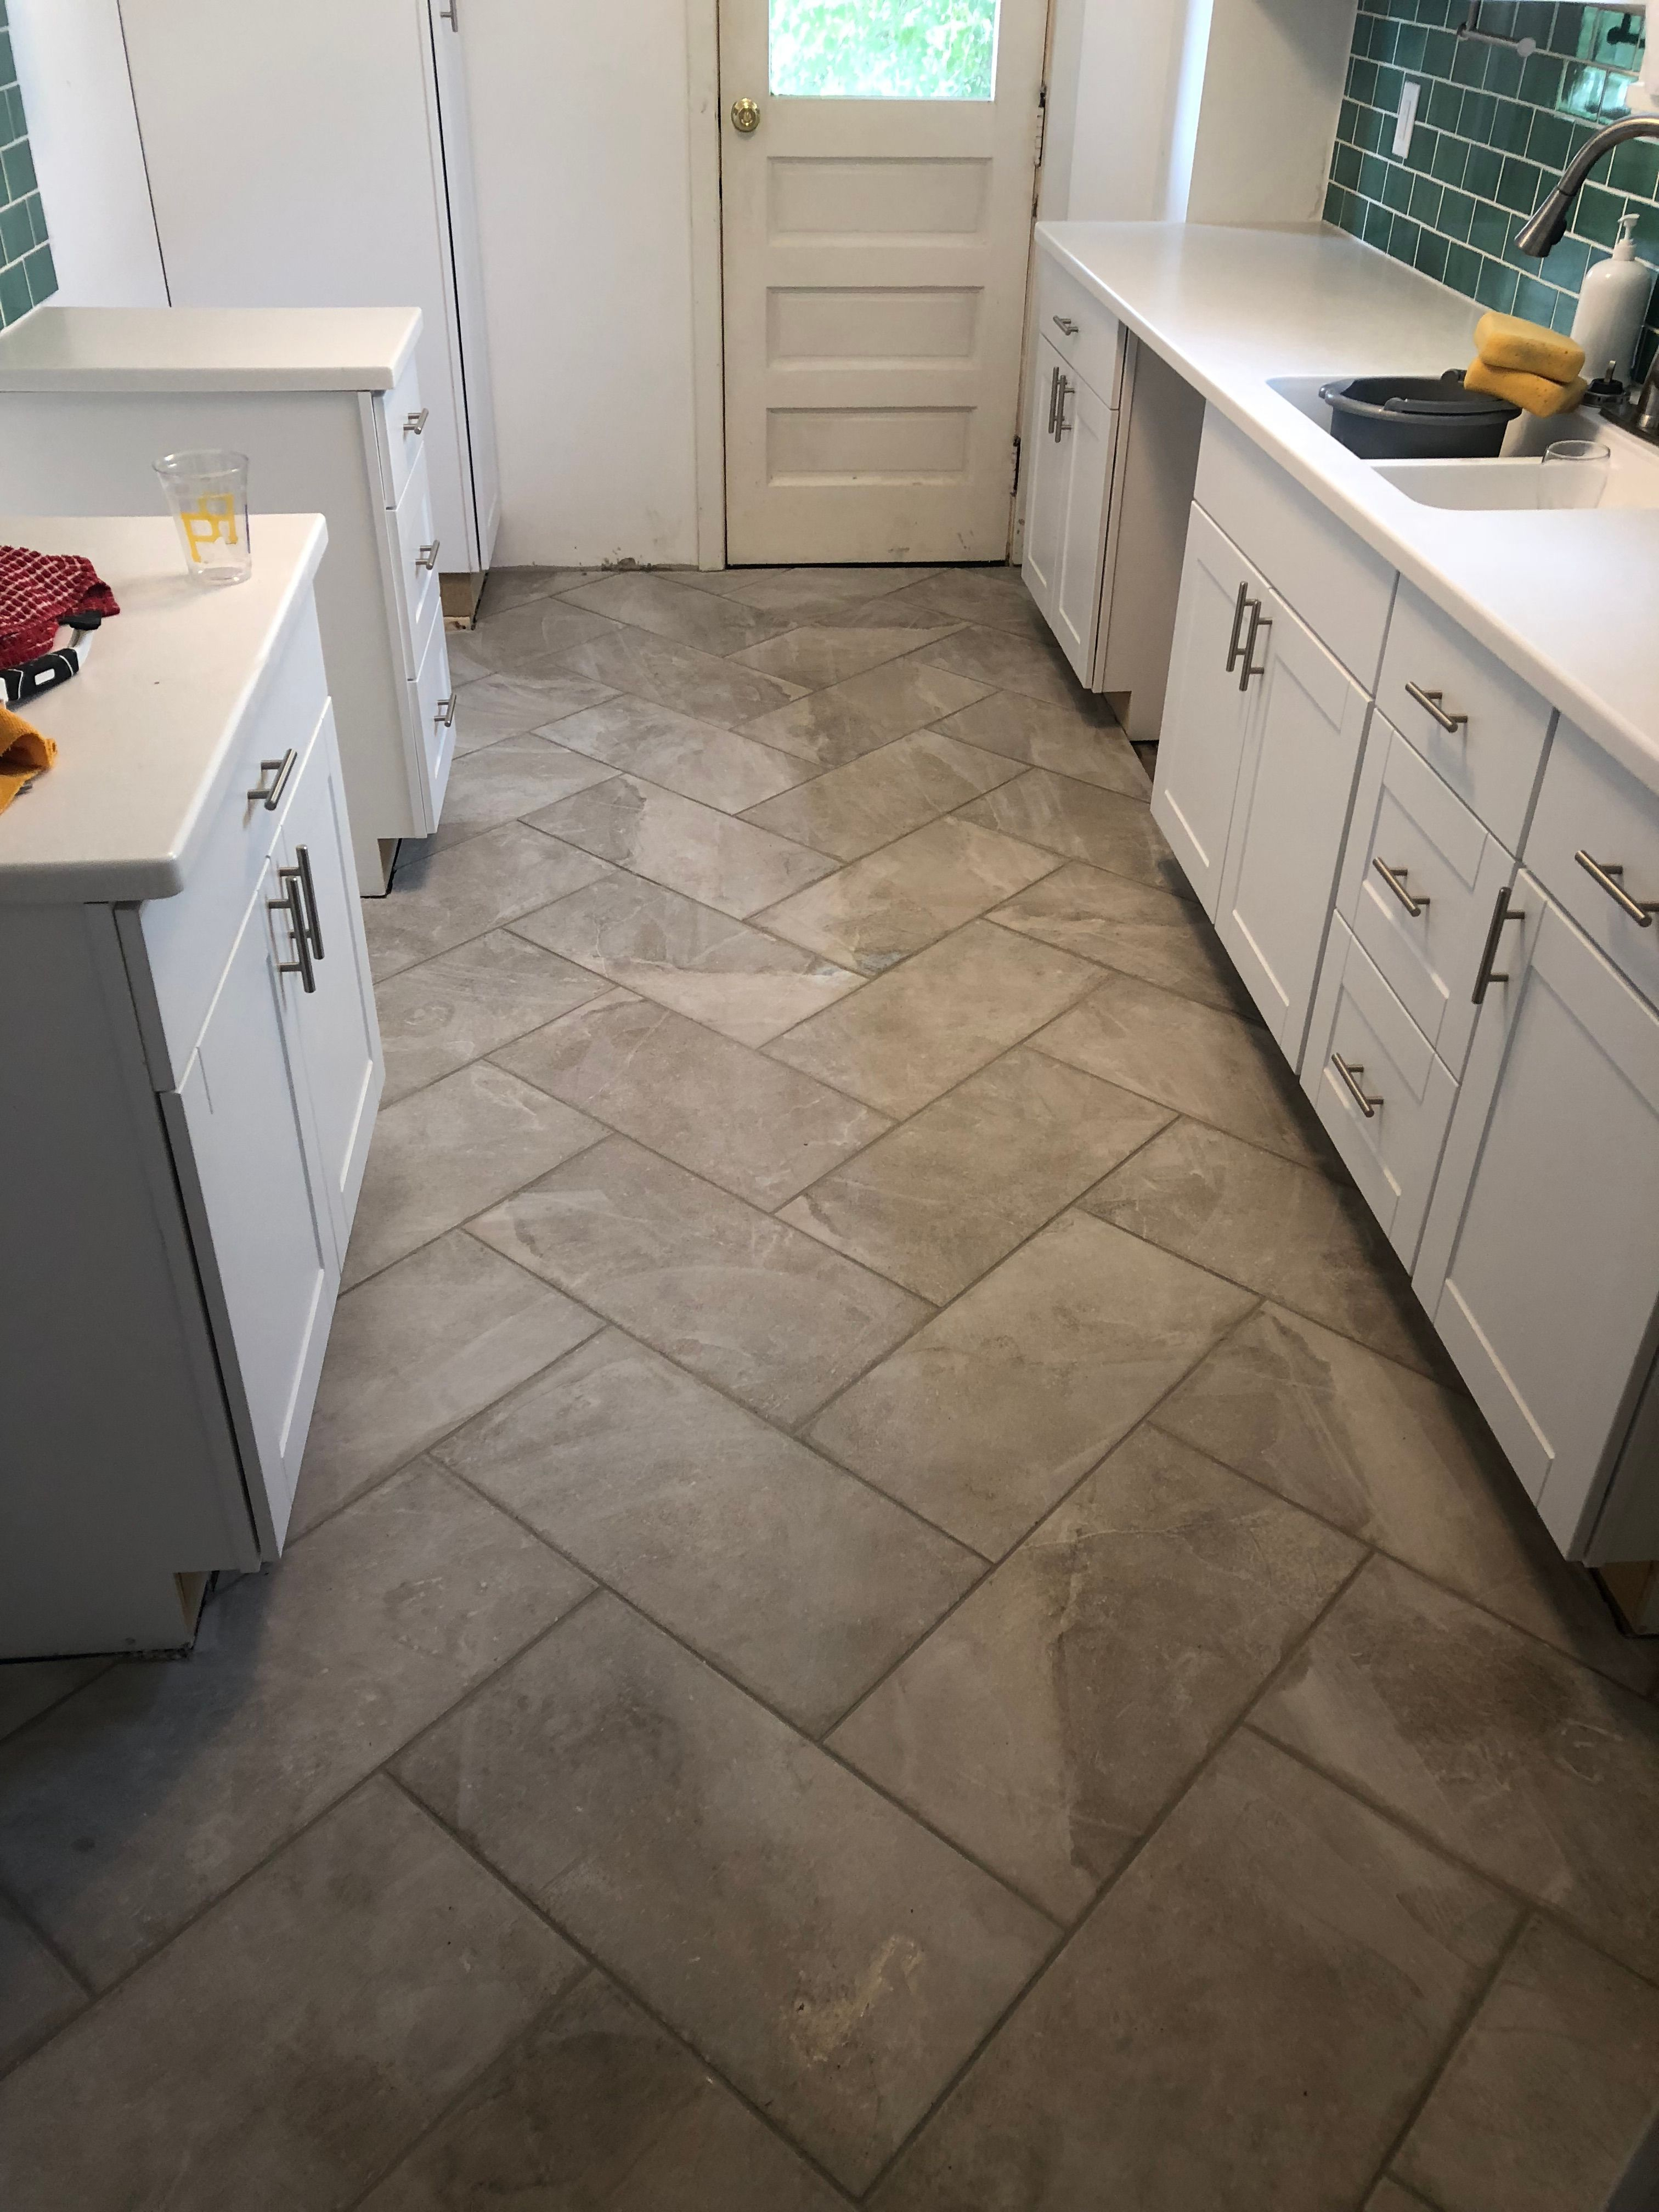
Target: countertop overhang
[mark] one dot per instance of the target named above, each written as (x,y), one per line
(1570,601)
(209,349)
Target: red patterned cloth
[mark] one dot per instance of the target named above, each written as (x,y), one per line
(37,591)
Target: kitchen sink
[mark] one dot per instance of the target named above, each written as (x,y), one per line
(1513,485)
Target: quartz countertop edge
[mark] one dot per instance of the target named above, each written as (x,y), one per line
(79,349)
(147,733)
(1566,600)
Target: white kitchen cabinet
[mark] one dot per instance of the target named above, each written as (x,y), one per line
(1072,445)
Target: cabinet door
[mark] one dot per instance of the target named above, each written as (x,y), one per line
(338,1035)
(1087,428)
(1206,714)
(1300,758)
(1045,499)
(1540,1261)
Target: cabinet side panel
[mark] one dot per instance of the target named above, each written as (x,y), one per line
(1159,459)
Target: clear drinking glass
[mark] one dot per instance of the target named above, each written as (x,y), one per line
(1575,473)
(208,493)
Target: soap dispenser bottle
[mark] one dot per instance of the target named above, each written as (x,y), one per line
(1612,307)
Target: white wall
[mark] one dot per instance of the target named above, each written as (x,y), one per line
(1271,88)
(72,68)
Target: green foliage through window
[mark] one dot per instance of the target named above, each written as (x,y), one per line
(883,49)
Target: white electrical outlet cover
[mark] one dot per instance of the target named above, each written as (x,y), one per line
(1410,94)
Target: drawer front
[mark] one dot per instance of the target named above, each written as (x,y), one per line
(188,939)
(1415,844)
(399,427)
(1587,803)
(434,719)
(418,554)
(1087,337)
(1339,587)
(1434,672)
(1393,1151)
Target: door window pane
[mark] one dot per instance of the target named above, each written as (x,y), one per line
(883,49)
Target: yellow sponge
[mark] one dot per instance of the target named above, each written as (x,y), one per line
(1511,342)
(1539,395)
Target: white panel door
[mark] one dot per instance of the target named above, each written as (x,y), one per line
(1084,429)
(877,225)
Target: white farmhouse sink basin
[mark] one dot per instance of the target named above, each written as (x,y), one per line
(1482,486)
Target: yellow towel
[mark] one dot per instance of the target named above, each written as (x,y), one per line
(1537,394)
(1511,342)
(25,753)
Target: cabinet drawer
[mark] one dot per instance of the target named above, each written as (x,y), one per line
(1087,337)
(1407,824)
(400,426)
(1333,581)
(1587,803)
(1393,1151)
(1433,672)
(434,698)
(418,552)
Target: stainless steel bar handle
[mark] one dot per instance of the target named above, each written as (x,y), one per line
(289,904)
(1258,624)
(1640,911)
(445,716)
(1433,703)
(415,424)
(1234,648)
(313,926)
(1395,880)
(1350,1075)
(280,771)
(428,556)
(1054,397)
(1486,973)
(1064,323)
(451,15)
(1062,425)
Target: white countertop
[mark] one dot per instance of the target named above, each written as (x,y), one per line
(209,349)
(1570,601)
(145,731)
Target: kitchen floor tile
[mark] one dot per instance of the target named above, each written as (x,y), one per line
(600,2110)
(493,707)
(810,595)
(507,588)
(451,1150)
(1246,2020)
(127,1810)
(835,725)
(658,604)
(699,760)
(724,1110)
(441,899)
(990,1413)
(702,684)
(720,971)
(1206,1063)
(852,809)
(704,854)
(508,779)
(938,1201)
(995,597)
(875,913)
(294,2040)
(1079,738)
(908,1036)
(37,1994)
(1527,1765)
(1132,928)
(817,655)
(29,1687)
(760,1310)
(1034,666)
(436,1017)
(782,1569)
(836,1961)
(527,640)
(1082,821)
(1550,2094)
(1048,1722)
(1404,1463)
(417,1350)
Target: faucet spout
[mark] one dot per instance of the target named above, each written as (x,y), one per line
(1548,226)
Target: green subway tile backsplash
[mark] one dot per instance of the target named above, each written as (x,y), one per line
(27,276)
(1494,131)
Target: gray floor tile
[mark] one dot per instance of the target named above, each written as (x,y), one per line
(905,1038)
(37,1996)
(290,2044)
(817,655)
(835,725)
(464,665)
(826,588)
(416,1351)
(600,2110)
(31,1687)
(1294,1233)
(1526,1765)
(435,1017)
(127,1810)
(986,1416)
(508,779)
(765,1312)
(700,760)
(1550,2094)
(493,707)
(785,1571)
(699,684)
(528,639)
(506,588)
(880,909)
(1205,1063)
(939,1200)
(704,963)
(1048,1722)
(1246,2020)
(1079,739)
(1390,2197)
(1402,1462)
(441,899)
(1082,821)
(1034,666)
(450,1151)
(667,609)
(995,597)
(722,1110)
(695,850)
(852,809)
(1134,928)
(833,1959)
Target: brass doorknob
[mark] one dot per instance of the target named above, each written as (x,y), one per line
(745,116)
